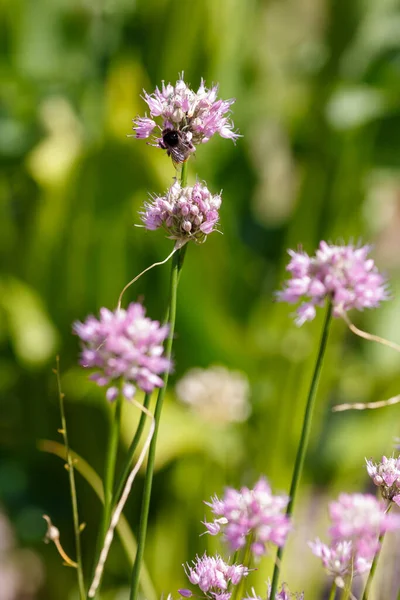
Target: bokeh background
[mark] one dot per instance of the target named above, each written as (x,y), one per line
(317,88)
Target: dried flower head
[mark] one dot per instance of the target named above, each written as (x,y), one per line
(188,118)
(124,347)
(216,394)
(386,475)
(213,576)
(253,512)
(343,274)
(189,213)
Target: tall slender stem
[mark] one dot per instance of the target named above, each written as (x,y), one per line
(109,474)
(332,593)
(177,262)
(375,561)
(111,460)
(71,475)
(131,451)
(305,434)
(371,574)
(237,590)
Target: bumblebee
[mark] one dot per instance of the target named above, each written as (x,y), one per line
(177,145)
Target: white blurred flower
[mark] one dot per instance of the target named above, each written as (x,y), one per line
(7,540)
(21,570)
(216,394)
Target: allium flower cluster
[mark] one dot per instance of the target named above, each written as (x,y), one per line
(284,594)
(386,475)
(360,516)
(188,213)
(213,576)
(343,274)
(125,347)
(340,558)
(357,521)
(253,512)
(197,116)
(216,394)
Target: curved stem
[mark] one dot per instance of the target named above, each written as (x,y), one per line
(131,451)
(367,405)
(127,538)
(132,281)
(71,475)
(369,336)
(177,263)
(305,434)
(120,506)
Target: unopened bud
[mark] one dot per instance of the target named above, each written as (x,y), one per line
(52,533)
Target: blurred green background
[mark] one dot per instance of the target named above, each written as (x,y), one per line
(317,88)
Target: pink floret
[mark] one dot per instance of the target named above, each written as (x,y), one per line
(126,350)
(343,274)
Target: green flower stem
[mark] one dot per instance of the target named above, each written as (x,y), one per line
(184,173)
(347,588)
(332,593)
(367,590)
(238,590)
(109,475)
(131,451)
(177,262)
(305,434)
(71,475)
(375,562)
(111,460)
(127,538)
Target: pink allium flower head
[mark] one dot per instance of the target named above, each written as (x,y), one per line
(386,475)
(360,516)
(256,512)
(125,347)
(283,594)
(341,558)
(357,521)
(196,116)
(213,576)
(344,274)
(188,213)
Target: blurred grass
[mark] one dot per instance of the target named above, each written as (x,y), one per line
(317,89)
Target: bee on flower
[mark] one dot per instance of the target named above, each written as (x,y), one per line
(188,118)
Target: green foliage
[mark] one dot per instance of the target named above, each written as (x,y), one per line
(317,86)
